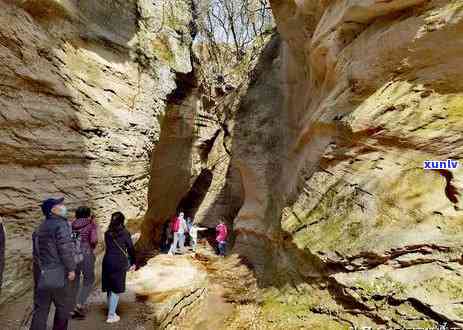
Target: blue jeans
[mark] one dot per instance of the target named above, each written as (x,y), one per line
(113,299)
(222,246)
(173,246)
(179,239)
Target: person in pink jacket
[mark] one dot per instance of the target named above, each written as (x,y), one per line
(84,228)
(221,237)
(179,228)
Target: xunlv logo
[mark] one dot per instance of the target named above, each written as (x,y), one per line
(440,164)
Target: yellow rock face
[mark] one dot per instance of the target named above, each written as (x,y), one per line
(81,91)
(360,94)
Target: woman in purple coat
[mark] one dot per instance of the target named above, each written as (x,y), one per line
(84,229)
(118,259)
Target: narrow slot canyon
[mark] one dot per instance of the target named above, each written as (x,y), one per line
(304,126)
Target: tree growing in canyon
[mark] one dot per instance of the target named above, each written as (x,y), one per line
(230,31)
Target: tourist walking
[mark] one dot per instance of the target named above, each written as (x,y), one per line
(85,229)
(118,259)
(221,237)
(174,225)
(189,224)
(182,230)
(179,227)
(194,235)
(54,266)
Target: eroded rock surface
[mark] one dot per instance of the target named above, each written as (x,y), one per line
(320,164)
(359,94)
(191,166)
(82,84)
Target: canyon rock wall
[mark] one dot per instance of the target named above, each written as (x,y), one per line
(190,168)
(82,90)
(330,142)
(316,160)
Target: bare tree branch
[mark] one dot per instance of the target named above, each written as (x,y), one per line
(230,29)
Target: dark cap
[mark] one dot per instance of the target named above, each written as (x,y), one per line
(50,203)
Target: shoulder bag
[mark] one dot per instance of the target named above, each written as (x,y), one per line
(50,278)
(122,250)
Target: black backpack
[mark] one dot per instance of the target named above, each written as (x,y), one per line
(79,255)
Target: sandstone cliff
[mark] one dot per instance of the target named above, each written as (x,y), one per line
(316,160)
(330,142)
(82,86)
(190,168)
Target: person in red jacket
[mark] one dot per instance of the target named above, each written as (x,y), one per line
(174,226)
(179,228)
(221,237)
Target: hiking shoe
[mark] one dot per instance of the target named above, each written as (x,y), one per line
(113,318)
(78,314)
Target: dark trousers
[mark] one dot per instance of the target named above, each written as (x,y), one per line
(221,247)
(61,298)
(2,254)
(86,271)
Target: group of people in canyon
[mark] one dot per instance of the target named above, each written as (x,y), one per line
(179,230)
(64,256)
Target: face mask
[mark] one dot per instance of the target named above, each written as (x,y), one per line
(63,211)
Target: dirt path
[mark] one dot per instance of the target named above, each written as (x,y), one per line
(163,290)
(130,310)
(16,316)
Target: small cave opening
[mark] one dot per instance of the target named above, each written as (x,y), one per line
(192,200)
(186,83)
(189,205)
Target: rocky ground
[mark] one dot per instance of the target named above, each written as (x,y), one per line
(196,291)
(173,292)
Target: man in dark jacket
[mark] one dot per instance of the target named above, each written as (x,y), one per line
(54,248)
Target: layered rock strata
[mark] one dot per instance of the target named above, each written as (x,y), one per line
(190,168)
(331,142)
(82,86)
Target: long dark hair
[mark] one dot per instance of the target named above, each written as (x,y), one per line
(83,212)
(117,223)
